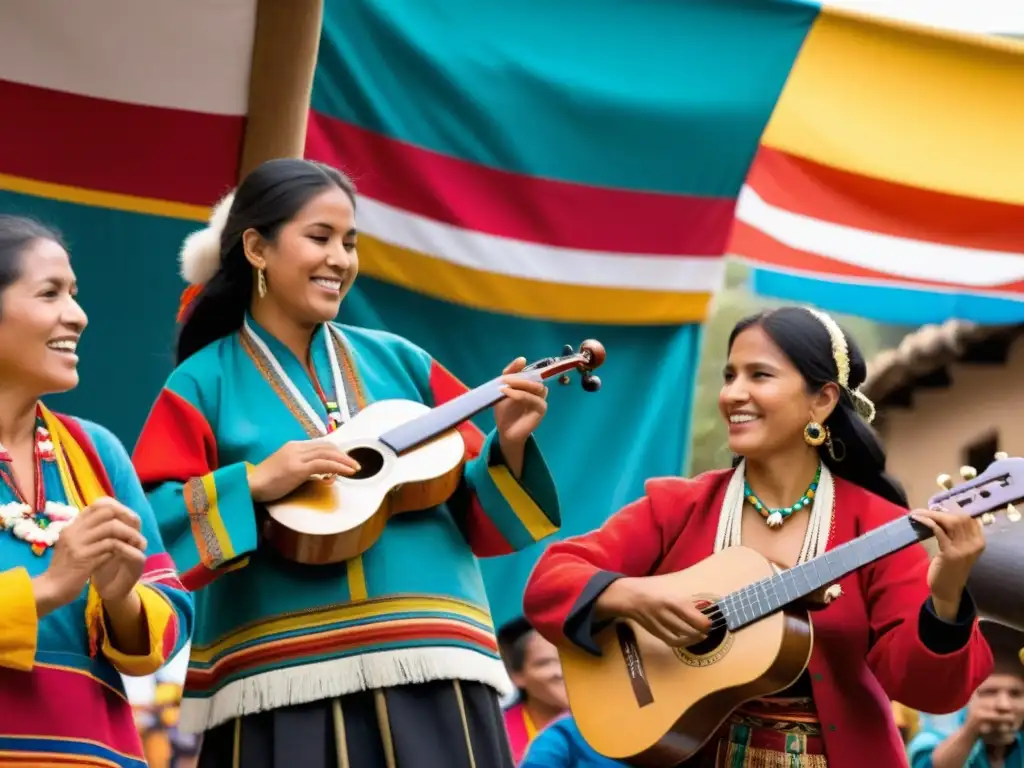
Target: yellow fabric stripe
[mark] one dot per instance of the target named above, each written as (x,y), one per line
(526,298)
(436,277)
(937,110)
(356,578)
(525,508)
(213,516)
(378,608)
(159,614)
(118,202)
(19,621)
(73,464)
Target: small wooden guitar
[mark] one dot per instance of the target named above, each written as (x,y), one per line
(653,706)
(411,458)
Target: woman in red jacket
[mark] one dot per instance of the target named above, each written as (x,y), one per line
(809,477)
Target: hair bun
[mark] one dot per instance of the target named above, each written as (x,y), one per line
(200,253)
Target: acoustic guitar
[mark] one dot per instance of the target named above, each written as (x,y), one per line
(411,458)
(653,706)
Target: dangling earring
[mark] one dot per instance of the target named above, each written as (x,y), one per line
(831,445)
(815,434)
(261,283)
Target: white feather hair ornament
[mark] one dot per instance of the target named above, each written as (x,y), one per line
(200,253)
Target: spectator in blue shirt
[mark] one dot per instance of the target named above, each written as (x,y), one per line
(561,745)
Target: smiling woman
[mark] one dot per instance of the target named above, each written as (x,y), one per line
(809,476)
(88,590)
(389,658)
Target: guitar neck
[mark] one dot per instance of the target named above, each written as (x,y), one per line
(447,417)
(754,602)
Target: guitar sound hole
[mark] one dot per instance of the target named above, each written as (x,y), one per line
(714,639)
(371,461)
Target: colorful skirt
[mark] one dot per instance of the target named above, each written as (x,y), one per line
(443,724)
(771,733)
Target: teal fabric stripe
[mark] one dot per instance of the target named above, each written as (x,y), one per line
(126,269)
(599,447)
(644,95)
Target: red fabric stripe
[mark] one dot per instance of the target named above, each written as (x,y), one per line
(170,639)
(176,443)
(512,205)
(112,146)
(157,562)
(444,386)
(82,438)
(339,641)
(805,187)
(483,535)
(196,578)
(766,251)
(58,703)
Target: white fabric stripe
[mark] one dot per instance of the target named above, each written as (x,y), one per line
(516,258)
(184,54)
(339,677)
(896,256)
(340,395)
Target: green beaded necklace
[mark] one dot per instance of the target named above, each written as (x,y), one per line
(776,517)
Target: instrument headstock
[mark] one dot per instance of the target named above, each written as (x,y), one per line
(589,356)
(995,490)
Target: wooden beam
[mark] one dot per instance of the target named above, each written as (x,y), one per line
(285,47)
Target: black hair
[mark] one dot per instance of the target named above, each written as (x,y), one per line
(17,234)
(805,340)
(513,640)
(267,199)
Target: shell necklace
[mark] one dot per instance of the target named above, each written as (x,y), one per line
(37,524)
(776,517)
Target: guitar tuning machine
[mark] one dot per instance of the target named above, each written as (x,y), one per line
(945,481)
(988,518)
(1001,456)
(1012,513)
(968,473)
(588,380)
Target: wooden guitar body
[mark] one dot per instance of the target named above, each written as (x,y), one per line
(331,521)
(653,706)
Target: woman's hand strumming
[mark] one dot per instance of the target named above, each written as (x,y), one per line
(295,463)
(652,603)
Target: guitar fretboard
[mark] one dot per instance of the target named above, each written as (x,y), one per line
(445,417)
(754,602)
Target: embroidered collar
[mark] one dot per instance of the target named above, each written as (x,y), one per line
(338,402)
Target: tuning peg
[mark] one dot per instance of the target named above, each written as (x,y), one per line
(590,382)
(1012,513)
(944,481)
(968,473)
(564,379)
(567,349)
(988,518)
(1001,456)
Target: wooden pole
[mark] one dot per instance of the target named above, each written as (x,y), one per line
(285,46)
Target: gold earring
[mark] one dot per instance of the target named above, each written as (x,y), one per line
(815,434)
(261,282)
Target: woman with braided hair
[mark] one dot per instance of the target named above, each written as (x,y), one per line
(810,476)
